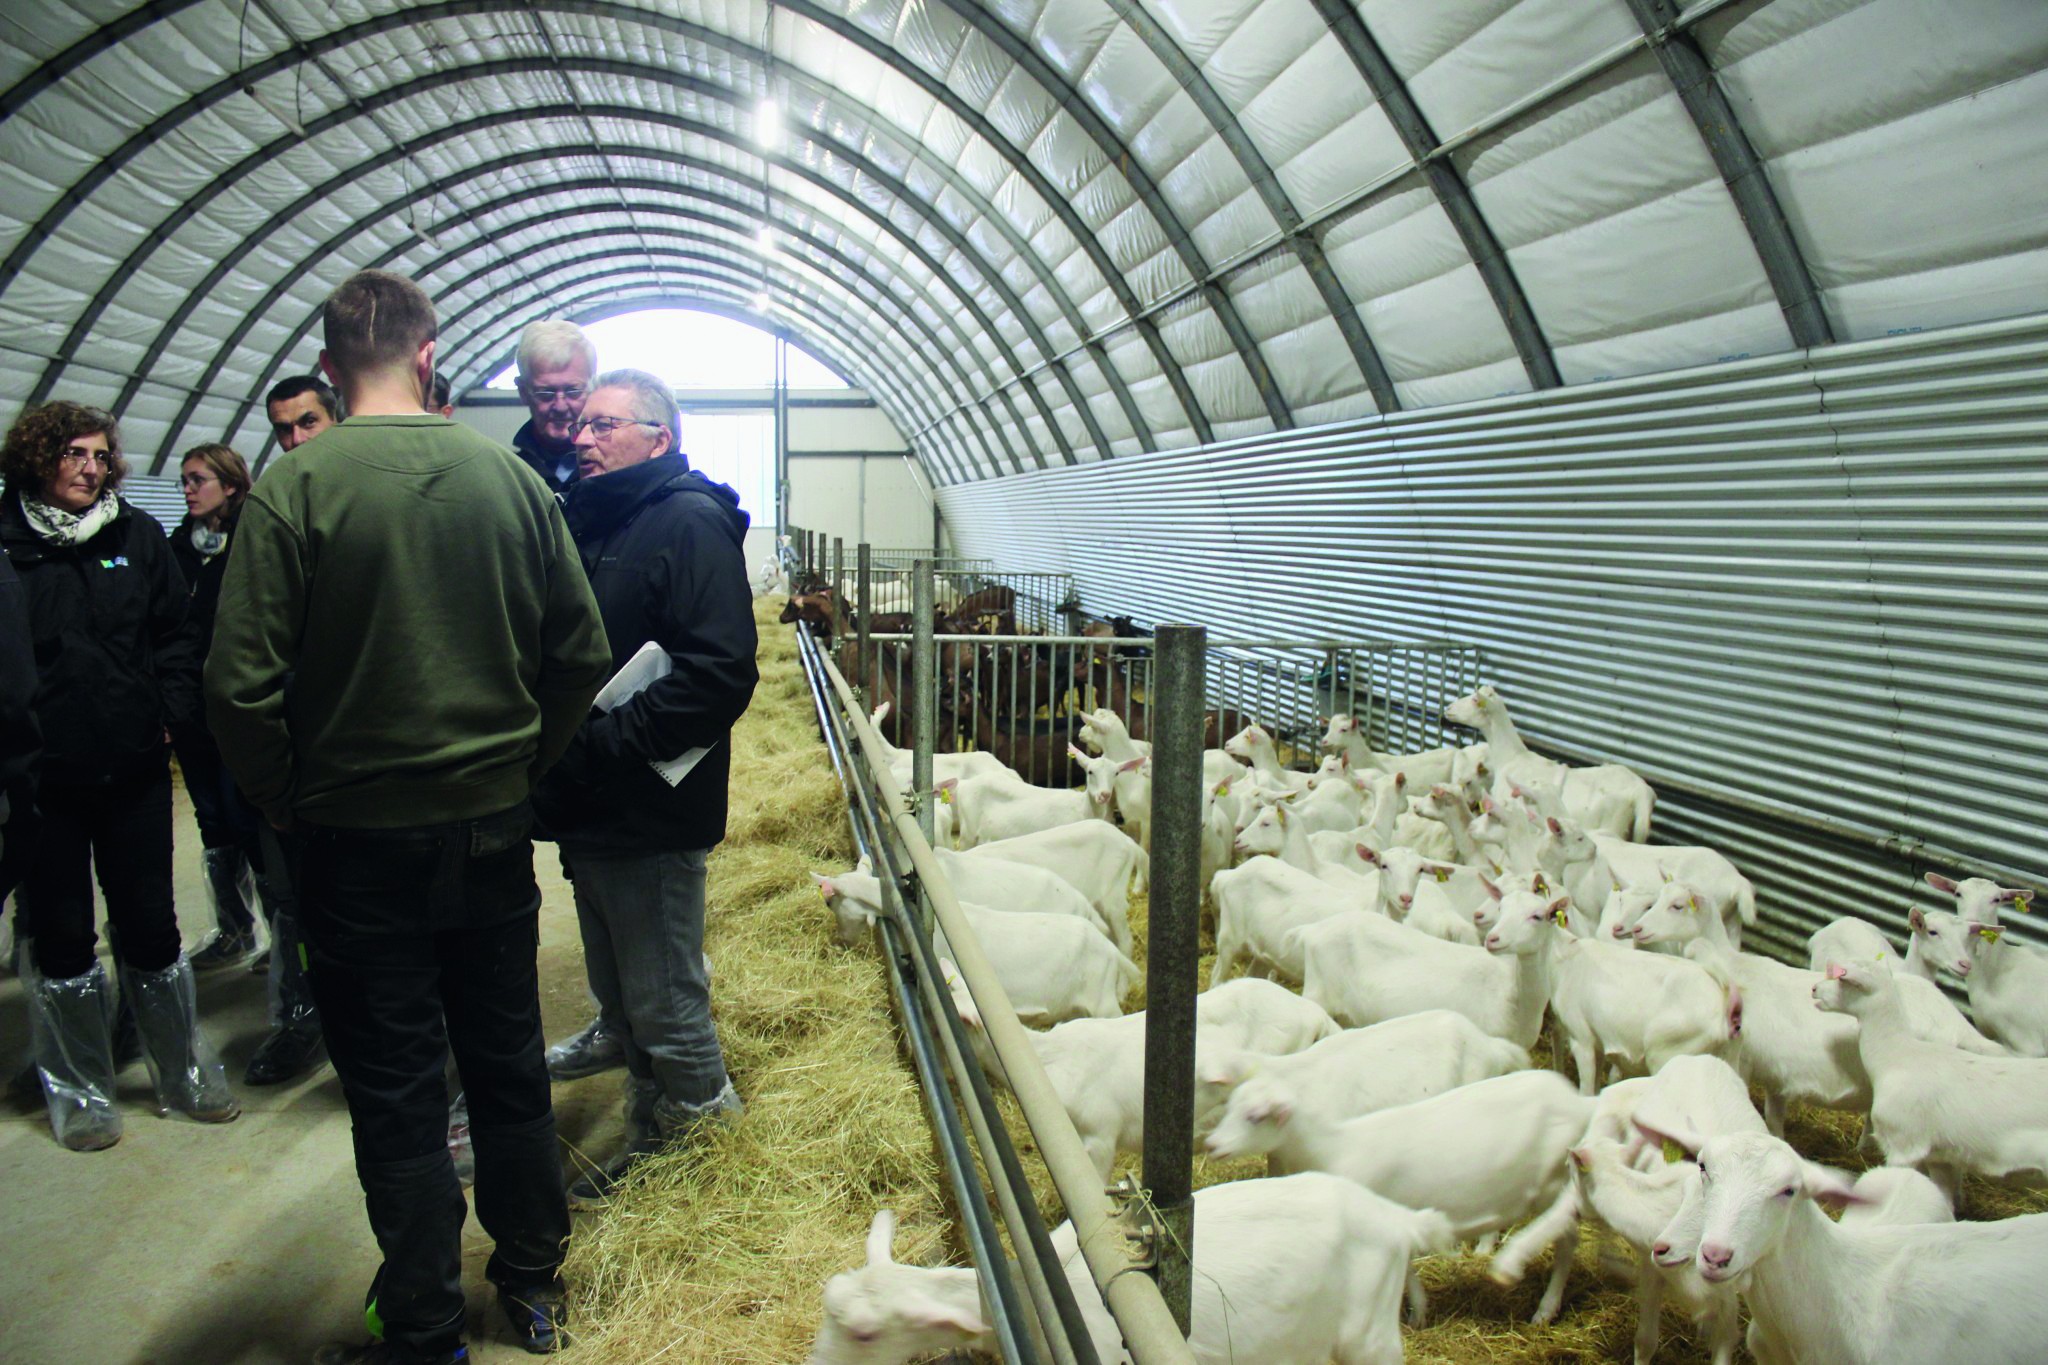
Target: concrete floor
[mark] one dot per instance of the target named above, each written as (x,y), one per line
(239,1244)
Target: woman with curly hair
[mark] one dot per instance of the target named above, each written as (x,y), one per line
(215,479)
(115,666)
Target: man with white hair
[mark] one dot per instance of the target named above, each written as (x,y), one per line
(556,361)
(663,548)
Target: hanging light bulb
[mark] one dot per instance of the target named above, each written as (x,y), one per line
(768,123)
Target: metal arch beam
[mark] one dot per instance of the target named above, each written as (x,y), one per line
(102,38)
(504,346)
(837,322)
(1720,128)
(910,246)
(663,211)
(945,230)
(1453,195)
(434,80)
(834,23)
(1305,245)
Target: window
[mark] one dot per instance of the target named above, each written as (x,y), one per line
(694,350)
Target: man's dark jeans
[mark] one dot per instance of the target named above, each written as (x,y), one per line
(407,928)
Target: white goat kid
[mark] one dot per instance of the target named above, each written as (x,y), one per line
(1259,904)
(1053,967)
(1823,1293)
(1363,1070)
(1095,858)
(1486,1155)
(1615,1007)
(997,884)
(1365,968)
(1277,830)
(1610,797)
(2008,981)
(1935,1107)
(1298,1271)
(1255,746)
(991,807)
(1604,861)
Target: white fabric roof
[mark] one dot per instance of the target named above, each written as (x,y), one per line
(1037,232)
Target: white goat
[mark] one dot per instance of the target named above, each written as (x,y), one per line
(991,807)
(1053,967)
(2008,981)
(1277,830)
(997,884)
(1930,1013)
(1296,1271)
(1487,1155)
(1097,1066)
(1823,1293)
(1255,746)
(1935,1107)
(1606,861)
(1366,968)
(1095,858)
(1361,1070)
(1610,796)
(973,763)
(1613,1006)
(1258,905)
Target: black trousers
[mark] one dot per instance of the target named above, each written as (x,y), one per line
(422,940)
(121,831)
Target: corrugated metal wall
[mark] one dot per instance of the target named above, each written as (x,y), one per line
(1806,596)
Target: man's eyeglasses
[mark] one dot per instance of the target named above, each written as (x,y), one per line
(79,459)
(603,427)
(575,393)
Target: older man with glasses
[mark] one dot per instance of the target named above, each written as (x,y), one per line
(640,799)
(556,361)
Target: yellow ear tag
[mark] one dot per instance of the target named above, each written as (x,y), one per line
(1990,932)
(1442,876)
(1694,902)
(1562,916)
(1672,1151)
(945,796)
(1223,790)
(1542,887)
(2019,903)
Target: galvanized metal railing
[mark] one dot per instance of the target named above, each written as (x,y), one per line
(1023,697)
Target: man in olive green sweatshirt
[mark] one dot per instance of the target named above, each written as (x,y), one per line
(406,641)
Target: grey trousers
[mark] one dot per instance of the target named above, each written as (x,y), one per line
(642,916)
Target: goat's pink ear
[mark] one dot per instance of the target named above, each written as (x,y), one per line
(1918,919)
(1486,804)
(1555,828)
(2006,894)
(1941,883)
(1672,1140)
(1366,852)
(882,1236)
(881,713)
(1829,1185)
(1491,889)
(1074,751)
(1836,971)
(929,1312)
(1400,781)
(824,884)
(947,785)
(1128,764)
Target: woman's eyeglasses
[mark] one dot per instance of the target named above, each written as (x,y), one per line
(196,480)
(79,459)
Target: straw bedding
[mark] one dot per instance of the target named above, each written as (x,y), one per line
(717,1253)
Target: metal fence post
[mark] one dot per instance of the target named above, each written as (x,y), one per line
(838,589)
(866,673)
(1179,663)
(924,695)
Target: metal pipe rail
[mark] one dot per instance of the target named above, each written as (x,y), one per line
(1134,1300)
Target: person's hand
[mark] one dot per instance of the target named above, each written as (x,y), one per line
(280,820)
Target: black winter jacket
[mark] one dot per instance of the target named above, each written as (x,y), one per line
(20,741)
(202,579)
(115,660)
(542,462)
(663,547)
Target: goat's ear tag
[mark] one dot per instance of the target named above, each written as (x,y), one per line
(1694,902)
(1562,917)
(1990,932)
(2019,903)
(1442,875)
(1223,788)
(945,796)
(1673,1152)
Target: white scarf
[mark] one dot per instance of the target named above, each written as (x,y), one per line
(61,528)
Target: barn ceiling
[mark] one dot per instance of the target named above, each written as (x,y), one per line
(1039,233)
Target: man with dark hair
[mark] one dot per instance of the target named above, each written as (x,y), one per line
(663,547)
(300,408)
(556,360)
(442,647)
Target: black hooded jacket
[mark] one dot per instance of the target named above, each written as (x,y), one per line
(203,578)
(664,550)
(545,463)
(115,660)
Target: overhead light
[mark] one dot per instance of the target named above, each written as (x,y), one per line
(768,123)
(762,303)
(298,129)
(765,240)
(424,235)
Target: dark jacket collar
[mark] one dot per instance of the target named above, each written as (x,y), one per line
(598,506)
(24,546)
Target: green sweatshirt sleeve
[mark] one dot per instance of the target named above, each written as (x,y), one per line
(255,648)
(576,658)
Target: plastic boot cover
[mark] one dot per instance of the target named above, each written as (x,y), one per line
(232,887)
(71,1023)
(187,1072)
(597,1047)
(676,1119)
